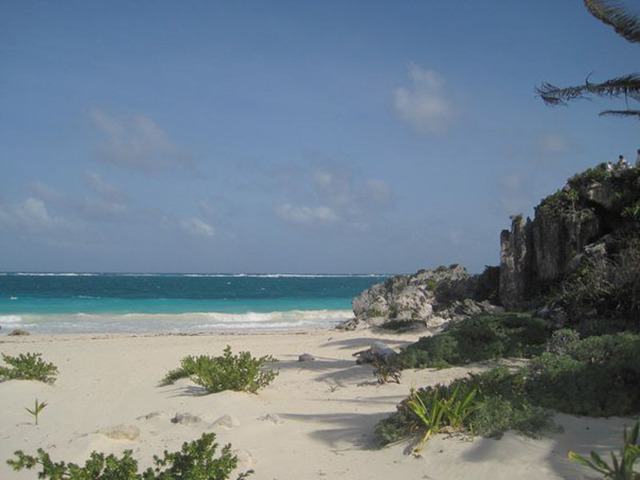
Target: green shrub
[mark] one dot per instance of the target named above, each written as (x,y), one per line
(487,404)
(401,325)
(478,338)
(589,176)
(28,366)
(562,341)
(195,461)
(240,372)
(599,376)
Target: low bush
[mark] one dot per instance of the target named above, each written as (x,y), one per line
(29,366)
(195,461)
(487,404)
(598,376)
(240,372)
(482,337)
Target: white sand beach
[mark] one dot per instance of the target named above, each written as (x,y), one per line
(315,421)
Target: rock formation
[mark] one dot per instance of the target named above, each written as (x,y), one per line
(590,216)
(594,218)
(432,297)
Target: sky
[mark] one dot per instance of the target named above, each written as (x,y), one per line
(334,136)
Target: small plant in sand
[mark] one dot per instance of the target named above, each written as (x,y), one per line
(386,372)
(620,468)
(196,461)
(437,413)
(29,366)
(35,411)
(242,372)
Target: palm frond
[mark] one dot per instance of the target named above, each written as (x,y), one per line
(621,113)
(627,86)
(614,15)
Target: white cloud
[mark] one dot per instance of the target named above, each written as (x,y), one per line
(135,141)
(424,106)
(308,216)
(29,217)
(197,226)
(334,196)
(48,193)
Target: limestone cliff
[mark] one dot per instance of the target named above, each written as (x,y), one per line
(594,212)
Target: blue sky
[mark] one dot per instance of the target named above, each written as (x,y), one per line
(290,136)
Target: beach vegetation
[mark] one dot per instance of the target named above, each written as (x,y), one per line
(35,411)
(478,338)
(196,460)
(241,372)
(622,467)
(375,313)
(486,404)
(28,366)
(598,376)
(386,372)
(400,326)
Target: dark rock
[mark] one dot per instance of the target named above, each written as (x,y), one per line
(18,332)
(185,419)
(306,357)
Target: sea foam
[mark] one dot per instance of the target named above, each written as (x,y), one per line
(176,323)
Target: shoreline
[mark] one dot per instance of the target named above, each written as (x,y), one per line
(320,413)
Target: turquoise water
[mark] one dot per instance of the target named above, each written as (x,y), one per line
(114,303)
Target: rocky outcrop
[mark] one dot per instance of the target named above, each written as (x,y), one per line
(581,220)
(432,297)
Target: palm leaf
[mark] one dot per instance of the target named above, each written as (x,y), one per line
(626,25)
(625,86)
(583,461)
(621,113)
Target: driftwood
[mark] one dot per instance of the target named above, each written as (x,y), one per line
(377,352)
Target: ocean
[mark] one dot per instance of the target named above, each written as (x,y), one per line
(175,303)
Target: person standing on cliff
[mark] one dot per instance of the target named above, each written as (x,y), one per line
(638,159)
(622,163)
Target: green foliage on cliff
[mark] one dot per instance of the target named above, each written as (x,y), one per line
(478,338)
(589,177)
(603,288)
